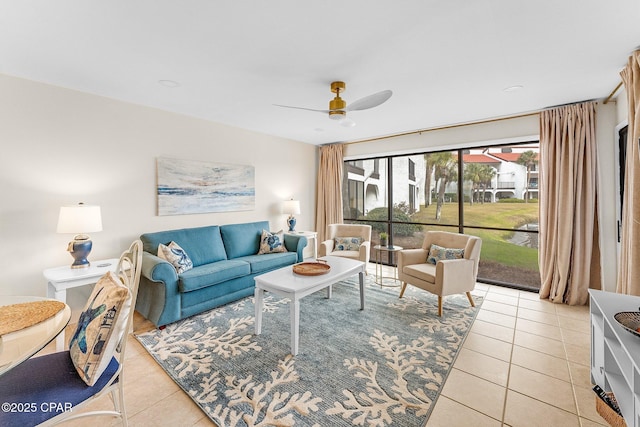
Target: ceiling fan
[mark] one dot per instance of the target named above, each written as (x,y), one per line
(338,108)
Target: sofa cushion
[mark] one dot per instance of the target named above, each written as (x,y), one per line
(203,244)
(266,262)
(242,239)
(211,274)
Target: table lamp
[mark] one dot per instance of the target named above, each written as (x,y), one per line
(291,207)
(79,220)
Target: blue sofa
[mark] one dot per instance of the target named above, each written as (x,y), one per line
(225,261)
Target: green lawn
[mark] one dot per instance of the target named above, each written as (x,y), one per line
(495,244)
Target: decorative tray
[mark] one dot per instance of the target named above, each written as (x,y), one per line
(311,268)
(630,321)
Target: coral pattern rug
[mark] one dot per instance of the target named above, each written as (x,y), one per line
(382,366)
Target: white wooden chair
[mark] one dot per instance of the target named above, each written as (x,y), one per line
(51,385)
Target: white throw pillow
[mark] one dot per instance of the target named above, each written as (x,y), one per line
(174,254)
(271,243)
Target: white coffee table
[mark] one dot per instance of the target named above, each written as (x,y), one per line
(286,283)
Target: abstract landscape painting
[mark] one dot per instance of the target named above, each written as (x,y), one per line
(190,187)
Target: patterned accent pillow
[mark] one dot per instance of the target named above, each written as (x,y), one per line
(100,327)
(176,256)
(437,253)
(347,243)
(271,243)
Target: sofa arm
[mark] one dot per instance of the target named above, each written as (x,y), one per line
(455,276)
(158,270)
(325,248)
(411,256)
(296,244)
(158,293)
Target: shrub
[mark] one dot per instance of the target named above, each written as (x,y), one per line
(400,214)
(511,200)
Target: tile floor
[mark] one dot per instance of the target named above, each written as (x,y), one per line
(524,363)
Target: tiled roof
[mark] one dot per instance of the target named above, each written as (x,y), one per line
(510,157)
(478,158)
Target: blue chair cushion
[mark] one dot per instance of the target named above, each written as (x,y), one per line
(211,274)
(49,385)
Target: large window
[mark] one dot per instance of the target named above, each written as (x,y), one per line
(490,192)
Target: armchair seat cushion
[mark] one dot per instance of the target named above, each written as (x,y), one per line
(346,254)
(425,272)
(211,274)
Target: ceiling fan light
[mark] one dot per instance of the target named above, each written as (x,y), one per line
(347,123)
(337,115)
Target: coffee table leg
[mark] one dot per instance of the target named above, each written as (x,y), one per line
(295,325)
(361,274)
(259,294)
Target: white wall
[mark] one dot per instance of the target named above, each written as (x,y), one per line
(60,147)
(518,130)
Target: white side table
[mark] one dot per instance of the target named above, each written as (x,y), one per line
(309,235)
(390,249)
(59,279)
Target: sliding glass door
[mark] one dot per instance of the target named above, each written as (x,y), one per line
(490,192)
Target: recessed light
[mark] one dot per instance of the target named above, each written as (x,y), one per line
(169,83)
(513,88)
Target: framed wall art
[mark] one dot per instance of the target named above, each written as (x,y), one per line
(190,187)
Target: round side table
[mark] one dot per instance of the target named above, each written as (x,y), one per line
(379,277)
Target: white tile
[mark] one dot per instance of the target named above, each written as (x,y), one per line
(475,393)
(490,346)
(497,318)
(483,366)
(449,413)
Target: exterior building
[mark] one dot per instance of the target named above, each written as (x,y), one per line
(365,181)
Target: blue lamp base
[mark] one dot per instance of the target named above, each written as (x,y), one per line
(291,221)
(80,248)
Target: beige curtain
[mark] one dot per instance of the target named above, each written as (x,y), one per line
(569,253)
(629,266)
(329,189)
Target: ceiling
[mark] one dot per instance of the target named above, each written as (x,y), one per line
(446,62)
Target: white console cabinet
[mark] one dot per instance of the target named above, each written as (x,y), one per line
(615,352)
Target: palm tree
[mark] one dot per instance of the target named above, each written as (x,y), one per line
(428,166)
(528,159)
(445,171)
(486,175)
(472,173)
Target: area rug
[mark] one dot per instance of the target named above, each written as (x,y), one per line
(382,366)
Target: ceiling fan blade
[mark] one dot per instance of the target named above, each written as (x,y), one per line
(369,101)
(302,108)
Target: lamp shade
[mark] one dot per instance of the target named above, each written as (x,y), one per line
(291,207)
(79,219)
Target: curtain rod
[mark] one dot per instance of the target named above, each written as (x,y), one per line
(479,122)
(441,128)
(613,92)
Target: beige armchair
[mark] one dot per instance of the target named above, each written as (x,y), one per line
(447,276)
(361,231)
